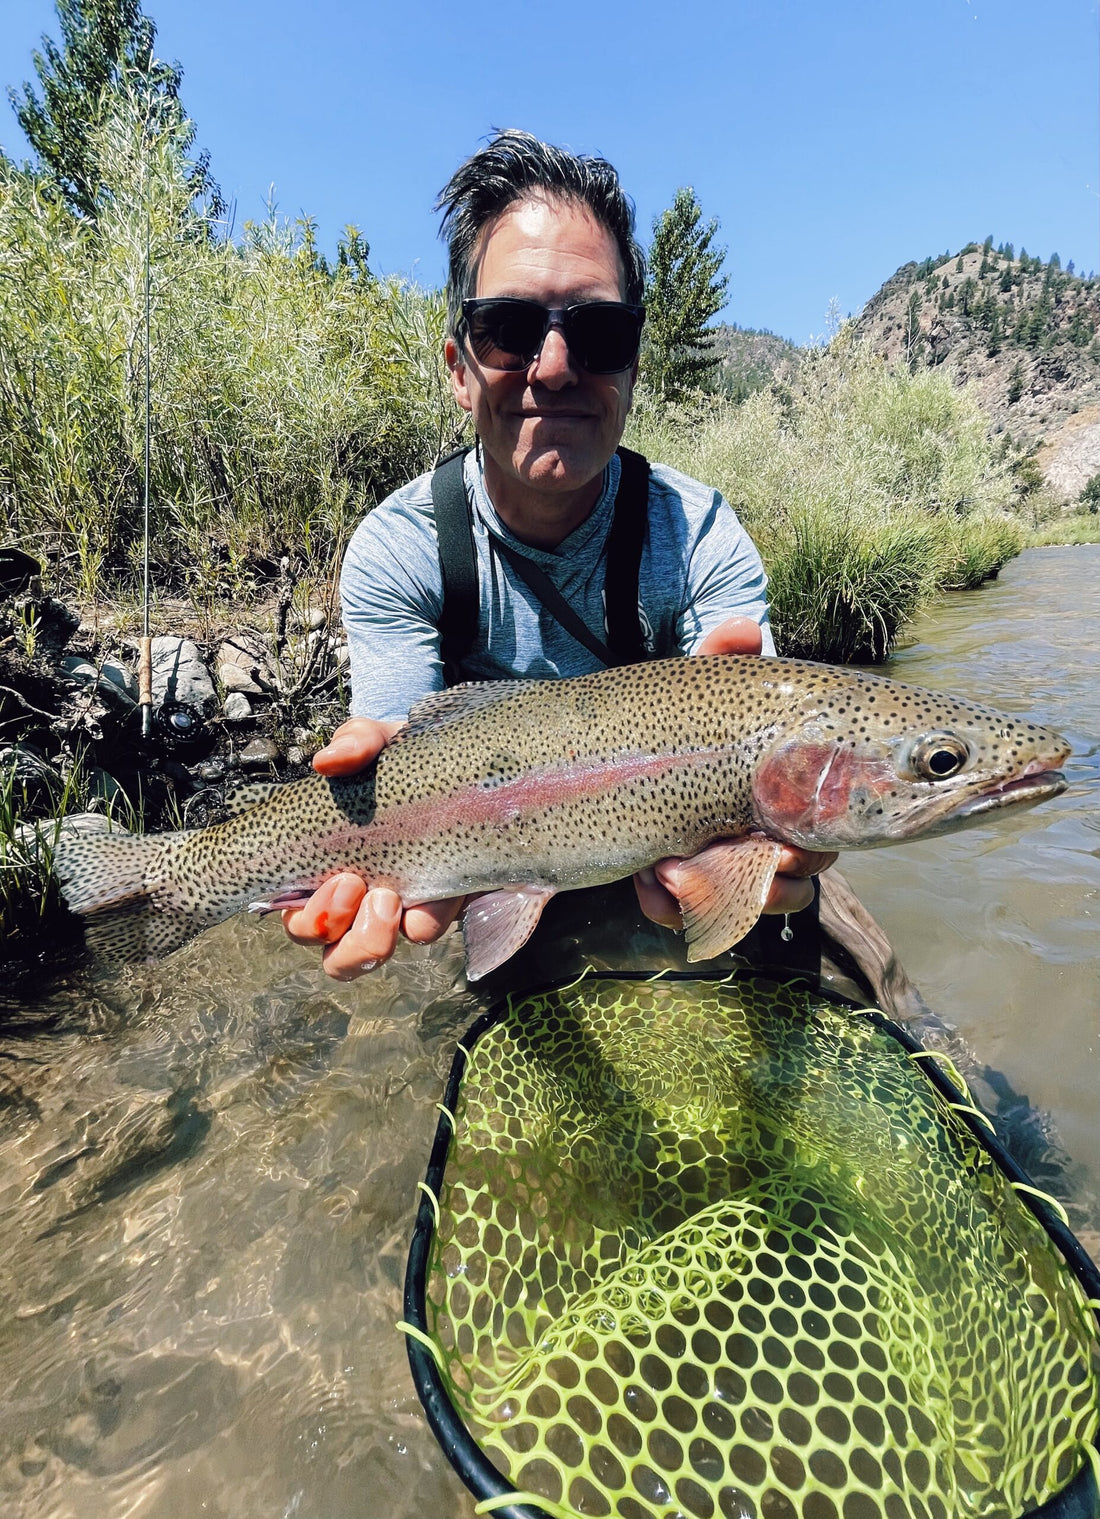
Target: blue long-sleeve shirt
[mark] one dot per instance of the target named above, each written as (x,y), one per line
(698,568)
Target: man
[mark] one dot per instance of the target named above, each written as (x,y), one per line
(544,292)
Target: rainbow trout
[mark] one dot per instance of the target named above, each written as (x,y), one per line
(520,789)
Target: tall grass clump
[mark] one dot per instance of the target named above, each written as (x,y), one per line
(863,485)
(978,548)
(287,395)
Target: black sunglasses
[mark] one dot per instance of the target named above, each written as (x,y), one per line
(506,333)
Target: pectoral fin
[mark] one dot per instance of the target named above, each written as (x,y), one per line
(498,923)
(722,892)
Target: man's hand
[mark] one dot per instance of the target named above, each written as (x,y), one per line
(359,927)
(792,889)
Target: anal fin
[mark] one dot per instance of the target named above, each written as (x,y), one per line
(498,923)
(722,892)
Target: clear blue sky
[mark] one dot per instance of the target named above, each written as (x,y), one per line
(834,139)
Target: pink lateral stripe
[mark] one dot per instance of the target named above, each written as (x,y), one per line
(536,791)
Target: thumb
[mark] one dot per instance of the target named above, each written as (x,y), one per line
(737,635)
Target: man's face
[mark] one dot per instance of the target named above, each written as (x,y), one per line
(552,427)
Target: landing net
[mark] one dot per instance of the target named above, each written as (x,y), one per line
(732,1251)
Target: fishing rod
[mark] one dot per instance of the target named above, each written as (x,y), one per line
(145,655)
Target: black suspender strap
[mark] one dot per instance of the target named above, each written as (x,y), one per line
(624,558)
(458,564)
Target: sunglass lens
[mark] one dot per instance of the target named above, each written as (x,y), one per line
(603,337)
(507,336)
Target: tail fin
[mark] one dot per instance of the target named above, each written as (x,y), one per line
(123,884)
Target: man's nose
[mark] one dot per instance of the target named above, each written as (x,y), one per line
(553,365)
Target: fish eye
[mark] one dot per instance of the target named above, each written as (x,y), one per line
(939,756)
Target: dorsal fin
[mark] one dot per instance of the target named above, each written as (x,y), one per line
(248,794)
(444,707)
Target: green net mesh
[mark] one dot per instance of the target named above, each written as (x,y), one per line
(723,1250)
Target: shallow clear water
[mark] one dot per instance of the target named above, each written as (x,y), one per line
(1000,926)
(208,1169)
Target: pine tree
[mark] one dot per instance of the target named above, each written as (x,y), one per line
(684,290)
(1080,329)
(995,334)
(106,49)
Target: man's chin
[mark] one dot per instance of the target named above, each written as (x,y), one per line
(556,466)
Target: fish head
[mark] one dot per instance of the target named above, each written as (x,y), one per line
(873,762)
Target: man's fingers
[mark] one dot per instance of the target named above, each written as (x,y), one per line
(791,889)
(655,900)
(329,913)
(354,745)
(428,922)
(371,938)
(801,863)
(737,635)
(788,894)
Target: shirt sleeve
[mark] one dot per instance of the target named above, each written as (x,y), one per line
(725,578)
(392,597)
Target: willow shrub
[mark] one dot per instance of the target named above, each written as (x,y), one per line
(286,397)
(863,485)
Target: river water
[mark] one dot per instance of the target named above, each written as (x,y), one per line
(208,1169)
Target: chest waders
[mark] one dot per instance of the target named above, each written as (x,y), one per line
(458,625)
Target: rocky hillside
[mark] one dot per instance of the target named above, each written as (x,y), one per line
(749,359)
(1026,333)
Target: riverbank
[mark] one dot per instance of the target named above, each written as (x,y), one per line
(1082,527)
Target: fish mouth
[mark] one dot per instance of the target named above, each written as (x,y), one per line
(1022,791)
(943,813)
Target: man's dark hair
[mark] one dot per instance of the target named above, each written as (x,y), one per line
(511,167)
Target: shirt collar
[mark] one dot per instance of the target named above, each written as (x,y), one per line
(597,522)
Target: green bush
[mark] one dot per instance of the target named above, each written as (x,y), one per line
(287,397)
(1090,494)
(856,480)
